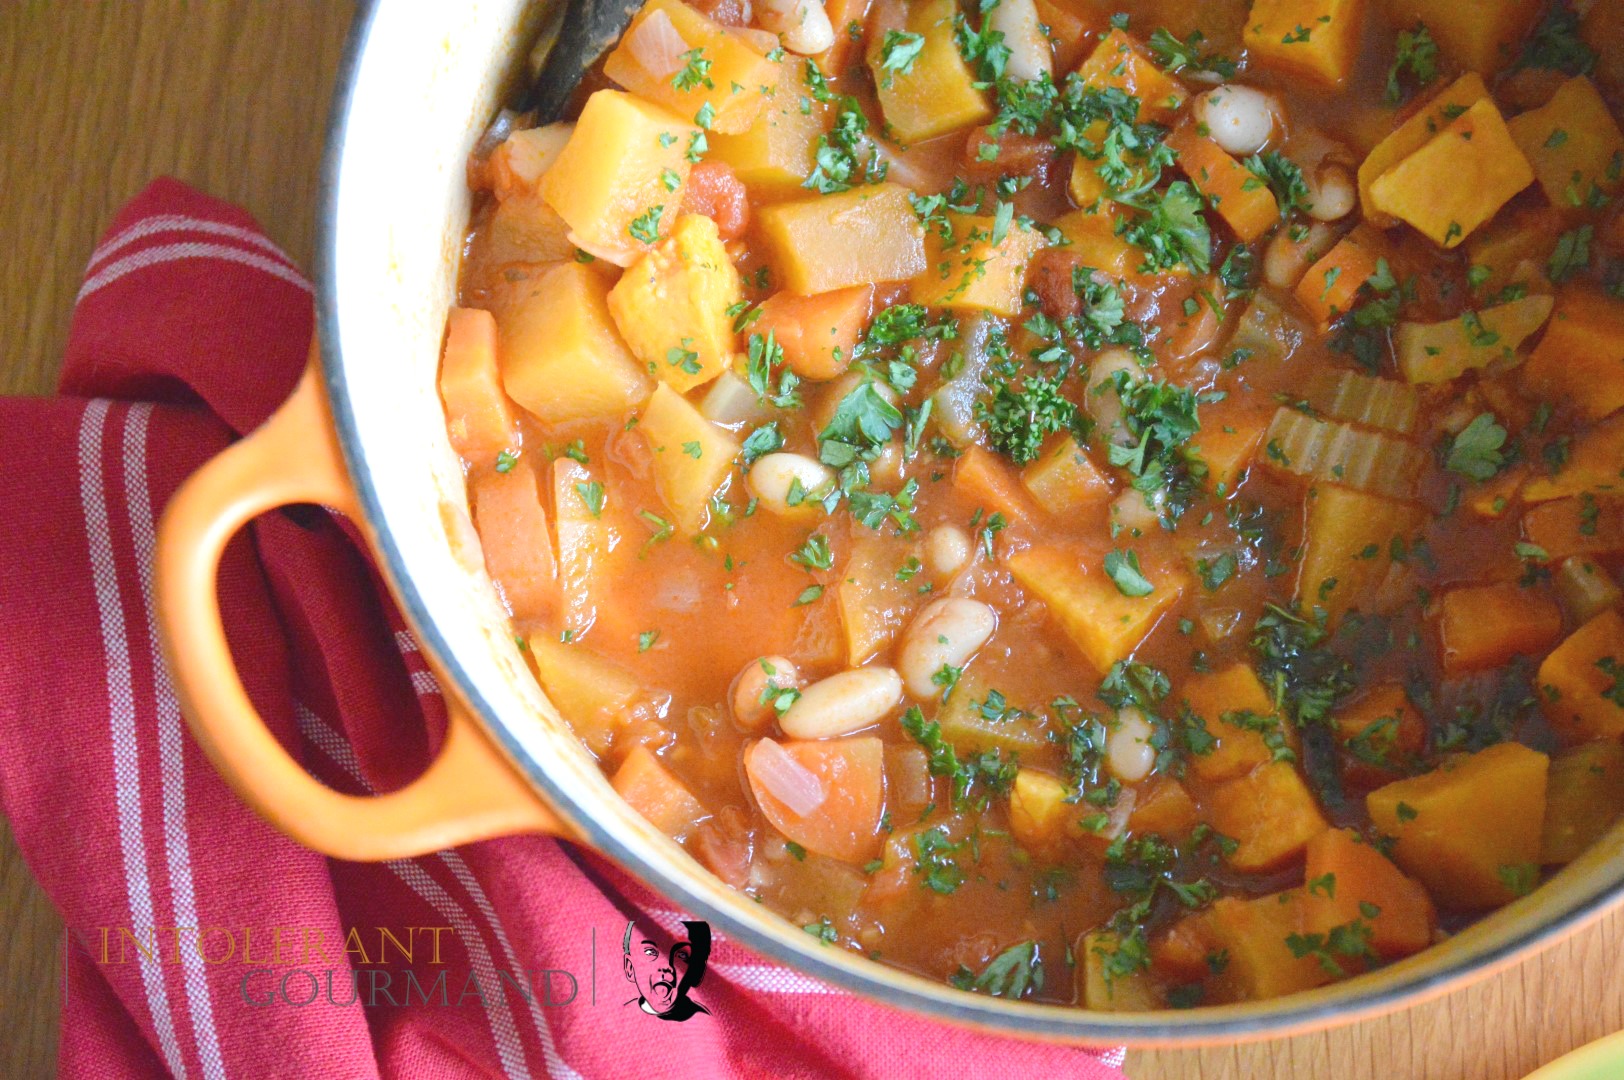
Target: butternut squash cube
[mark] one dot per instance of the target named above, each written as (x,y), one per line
(1243,200)
(1582,682)
(1134,992)
(1228,448)
(1484,35)
(1574,144)
(1252,935)
(692,457)
(1119,62)
(1580,360)
(479,417)
(661,798)
(1316,39)
(1065,479)
(859,237)
(938,93)
(562,358)
(1237,749)
(1382,732)
(1458,180)
(1269,813)
(1348,546)
(518,545)
(1584,798)
(672,305)
(1470,829)
(1347,877)
(981,268)
(1164,808)
(719,70)
(777,152)
(1105,625)
(1092,236)
(1441,351)
(1415,133)
(1483,626)
(618,181)
(991,485)
(1596,465)
(1038,811)
(593,694)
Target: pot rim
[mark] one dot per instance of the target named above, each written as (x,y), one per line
(1208,1025)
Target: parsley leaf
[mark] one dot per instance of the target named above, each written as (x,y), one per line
(1009,974)
(1475,452)
(1122,567)
(1416,55)
(1176,55)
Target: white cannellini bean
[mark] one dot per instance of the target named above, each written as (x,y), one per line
(947,550)
(1239,119)
(759,677)
(1100,399)
(1029,54)
(1331,192)
(946,633)
(843,703)
(1128,753)
(802,25)
(1286,260)
(773,475)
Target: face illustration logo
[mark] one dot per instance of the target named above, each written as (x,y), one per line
(663,979)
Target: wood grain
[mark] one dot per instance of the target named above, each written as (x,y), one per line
(96,99)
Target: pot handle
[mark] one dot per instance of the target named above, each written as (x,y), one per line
(469,792)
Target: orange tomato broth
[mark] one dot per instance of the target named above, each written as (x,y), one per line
(1212,878)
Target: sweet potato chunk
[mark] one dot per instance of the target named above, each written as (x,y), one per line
(991,485)
(1415,133)
(1585,796)
(859,237)
(518,545)
(1119,62)
(817,333)
(981,267)
(1347,877)
(652,791)
(1105,625)
(1483,626)
(692,456)
(1245,202)
(1596,465)
(938,93)
(1228,448)
(1270,813)
(1458,180)
(562,358)
(1252,934)
(1135,992)
(1574,145)
(1064,479)
(1580,360)
(1317,39)
(1484,35)
(733,86)
(1239,747)
(478,415)
(616,170)
(672,305)
(1470,829)
(1039,815)
(1582,681)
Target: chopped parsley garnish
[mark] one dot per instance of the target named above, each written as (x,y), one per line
(1476,452)
(1572,253)
(505,460)
(591,495)
(1122,567)
(1009,974)
(1556,45)
(1176,55)
(814,554)
(1018,422)
(1415,63)
(645,227)
(898,52)
(760,442)
(695,71)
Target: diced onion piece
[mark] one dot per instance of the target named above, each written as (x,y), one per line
(1266,332)
(1341,453)
(1366,400)
(802,24)
(731,401)
(956,399)
(656,45)
(784,778)
(1029,55)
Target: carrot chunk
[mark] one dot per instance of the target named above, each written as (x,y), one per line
(479,416)
(1243,200)
(818,332)
(518,544)
(1236,711)
(653,792)
(852,773)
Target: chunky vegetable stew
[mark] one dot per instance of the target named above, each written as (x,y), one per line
(1119,505)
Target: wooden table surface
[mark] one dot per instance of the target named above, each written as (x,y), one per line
(97,98)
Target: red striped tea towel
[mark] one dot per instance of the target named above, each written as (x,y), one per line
(259,958)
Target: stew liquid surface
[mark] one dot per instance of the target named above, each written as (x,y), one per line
(1113,505)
